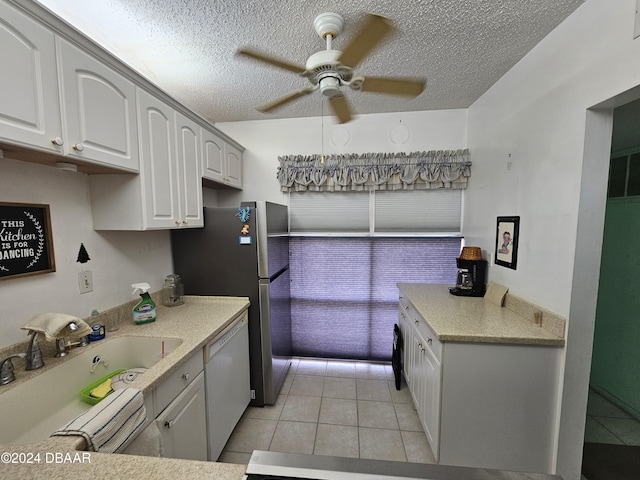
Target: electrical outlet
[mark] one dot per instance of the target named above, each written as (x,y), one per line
(85,281)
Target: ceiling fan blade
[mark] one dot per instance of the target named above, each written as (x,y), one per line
(411,87)
(372,33)
(340,108)
(286,99)
(292,67)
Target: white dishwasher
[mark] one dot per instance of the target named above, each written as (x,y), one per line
(226,370)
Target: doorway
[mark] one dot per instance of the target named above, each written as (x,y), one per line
(612,431)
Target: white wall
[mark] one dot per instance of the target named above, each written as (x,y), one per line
(532,158)
(118,259)
(265,140)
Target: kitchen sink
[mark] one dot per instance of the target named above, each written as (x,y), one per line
(33,410)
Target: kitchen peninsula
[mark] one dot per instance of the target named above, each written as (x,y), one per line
(484,378)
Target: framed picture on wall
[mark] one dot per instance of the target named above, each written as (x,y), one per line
(26,243)
(507,235)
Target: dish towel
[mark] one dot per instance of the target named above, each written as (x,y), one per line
(52,324)
(109,424)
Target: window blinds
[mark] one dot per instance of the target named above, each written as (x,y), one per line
(415,212)
(344,298)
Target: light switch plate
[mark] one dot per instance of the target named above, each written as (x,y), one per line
(85,281)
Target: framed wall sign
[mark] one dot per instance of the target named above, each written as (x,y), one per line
(507,235)
(26,244)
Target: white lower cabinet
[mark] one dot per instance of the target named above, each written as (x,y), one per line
(183,425)
(422,372)
(483,405)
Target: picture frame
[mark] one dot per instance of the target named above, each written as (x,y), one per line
(507,236)
(26,242)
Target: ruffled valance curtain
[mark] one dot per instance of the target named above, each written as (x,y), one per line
(375,171)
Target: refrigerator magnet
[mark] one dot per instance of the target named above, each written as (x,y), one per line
(244,239)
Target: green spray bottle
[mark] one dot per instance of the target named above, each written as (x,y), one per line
(145,309)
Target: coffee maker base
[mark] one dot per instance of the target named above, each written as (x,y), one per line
(463,292)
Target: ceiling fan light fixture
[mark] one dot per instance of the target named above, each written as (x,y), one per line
(330,86)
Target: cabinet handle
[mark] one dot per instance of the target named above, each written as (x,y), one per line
(186,376)
(168,424)
(78,147)
(177,222)
(429,341)
(184,222)
(57,141)
(417,322)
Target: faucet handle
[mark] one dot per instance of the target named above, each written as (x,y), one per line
(7,374)
(34,354)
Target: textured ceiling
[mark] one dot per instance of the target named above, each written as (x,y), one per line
(187,47)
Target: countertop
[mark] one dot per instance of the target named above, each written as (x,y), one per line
(473,319)
(196,322)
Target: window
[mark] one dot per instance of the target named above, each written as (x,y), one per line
(349,250)
(416,212)
(344,295)
(624,176)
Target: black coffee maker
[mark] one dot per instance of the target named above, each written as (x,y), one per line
(472,273)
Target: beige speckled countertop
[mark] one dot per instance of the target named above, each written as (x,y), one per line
(472,319)
(196,322)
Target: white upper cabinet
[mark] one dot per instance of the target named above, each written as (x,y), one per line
(172,184)
(188,163)
(29,105)
(221,161)
(157,170)
(78,107)
(98,110)
(168,192)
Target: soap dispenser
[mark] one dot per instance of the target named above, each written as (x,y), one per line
(97,327)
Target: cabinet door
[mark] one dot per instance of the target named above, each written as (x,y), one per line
(189,178)
(158,171)
(29,111)
(431,391)
(233,163)
(183,424)
(213,167)
(408,353)
(98,110)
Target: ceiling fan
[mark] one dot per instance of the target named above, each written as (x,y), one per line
(329,70)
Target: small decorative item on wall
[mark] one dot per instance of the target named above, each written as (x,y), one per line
(507,236)
(26,244)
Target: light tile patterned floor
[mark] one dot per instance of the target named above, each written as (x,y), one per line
(339,408)
(608,423)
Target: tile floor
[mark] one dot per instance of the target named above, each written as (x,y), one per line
(339,408)
(608,423)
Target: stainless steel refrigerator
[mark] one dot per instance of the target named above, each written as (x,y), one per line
(244,252)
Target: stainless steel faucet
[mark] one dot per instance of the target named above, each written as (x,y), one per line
(6,369)
(62,344)
(34,355)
